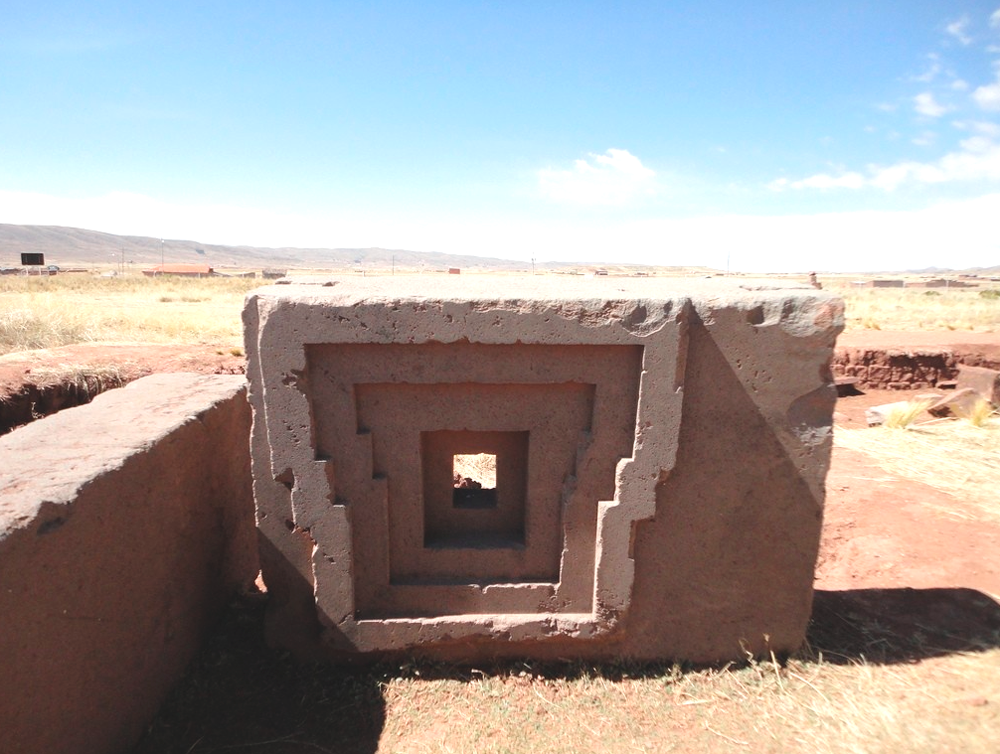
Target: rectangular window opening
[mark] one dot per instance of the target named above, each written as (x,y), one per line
(475,480)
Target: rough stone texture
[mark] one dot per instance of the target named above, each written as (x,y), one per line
(123,526)
(915,368)
(958,403)
(984,381)
(661,456)
(896,369)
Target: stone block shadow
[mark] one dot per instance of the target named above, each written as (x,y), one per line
(240,694)
(892,626)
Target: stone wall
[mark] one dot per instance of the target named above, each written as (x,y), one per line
(124,525)
(906,368)
(660,465)
(895,369)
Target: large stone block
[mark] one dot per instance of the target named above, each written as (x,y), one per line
(660,455)
(124,526)
(983,380)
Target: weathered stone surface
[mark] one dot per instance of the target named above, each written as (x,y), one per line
(957,403)
(123,525)
(895,369)
(660,465)
(984,381)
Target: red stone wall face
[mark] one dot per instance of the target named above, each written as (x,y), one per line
(125,525)
(902,369)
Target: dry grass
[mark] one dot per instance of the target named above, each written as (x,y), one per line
(241,695)
(919,309)
(805,706)
(92,379)
(952,455)
(980,414)
(903,416)
(43,312)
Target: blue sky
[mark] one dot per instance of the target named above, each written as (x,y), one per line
(773,137)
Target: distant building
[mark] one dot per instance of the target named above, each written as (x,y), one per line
(454,271)
(879,283)
(182,270)
(272,274)
(939,283)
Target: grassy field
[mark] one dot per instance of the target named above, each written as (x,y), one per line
(917,309)
(39,312)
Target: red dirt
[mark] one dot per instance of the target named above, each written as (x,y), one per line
(134,360)
(34,384)
(971,347)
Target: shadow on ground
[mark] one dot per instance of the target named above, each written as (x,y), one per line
(885,626)
(241,695)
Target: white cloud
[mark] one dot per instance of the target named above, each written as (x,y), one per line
(925,104)
(957,30)
(822,181)
(925,139)
(982,127)
(977,160)
(932,71)
(986,128)
(995,19)
(988,96)
(615,178)
(959,85)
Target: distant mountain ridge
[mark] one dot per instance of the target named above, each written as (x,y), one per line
(76,246)
(70,247)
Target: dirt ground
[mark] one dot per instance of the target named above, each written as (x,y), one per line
(887,557)
(132,359)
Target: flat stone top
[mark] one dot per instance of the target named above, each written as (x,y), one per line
(49,460)
(474,287)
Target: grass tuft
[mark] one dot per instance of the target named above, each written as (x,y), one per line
(902,417)
(979,415)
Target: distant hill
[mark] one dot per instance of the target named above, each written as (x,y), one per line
(75,246)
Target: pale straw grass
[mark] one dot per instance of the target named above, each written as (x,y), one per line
(952,455)
(919,309)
